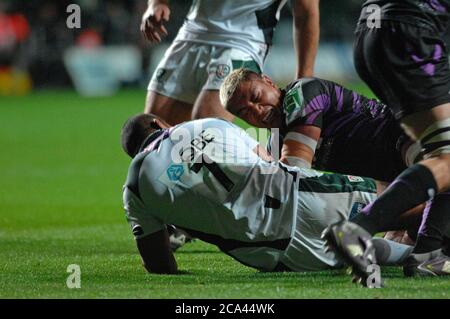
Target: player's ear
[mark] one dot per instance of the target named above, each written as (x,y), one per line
(268,80)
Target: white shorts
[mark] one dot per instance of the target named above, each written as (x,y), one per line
(324,199)
(189,67)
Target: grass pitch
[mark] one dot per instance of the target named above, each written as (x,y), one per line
(61,174)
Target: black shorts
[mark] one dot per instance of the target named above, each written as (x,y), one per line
(406,66)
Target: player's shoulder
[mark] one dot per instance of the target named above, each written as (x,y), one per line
(300,93)
(308,83)
(217,129)
(132,179)
(305,86)
(216,121)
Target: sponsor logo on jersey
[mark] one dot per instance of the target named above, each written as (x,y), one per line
(197,146)
(222,71)
(293,102)
(355,179)
(175,171)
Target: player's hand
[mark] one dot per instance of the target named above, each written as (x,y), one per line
(152,22)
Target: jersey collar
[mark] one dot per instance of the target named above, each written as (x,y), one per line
(151,138)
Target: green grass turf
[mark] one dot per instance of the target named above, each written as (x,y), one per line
(61,173)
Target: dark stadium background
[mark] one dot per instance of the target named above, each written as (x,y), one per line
(62,167)
(45,37)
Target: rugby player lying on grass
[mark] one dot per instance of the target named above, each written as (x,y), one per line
(324,125)
(209,178)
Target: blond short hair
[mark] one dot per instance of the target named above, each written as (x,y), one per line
(232,82)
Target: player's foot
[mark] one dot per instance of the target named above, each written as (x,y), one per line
(354,245)
(434,263)
(178,237)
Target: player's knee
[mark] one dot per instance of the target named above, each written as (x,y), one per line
(151,106)
(435,143)
(170,110)
(208,105)
(148,104)
(436,147)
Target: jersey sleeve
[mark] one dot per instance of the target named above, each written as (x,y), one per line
(141,222)
(305,102)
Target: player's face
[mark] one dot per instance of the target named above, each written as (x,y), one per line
(258,103)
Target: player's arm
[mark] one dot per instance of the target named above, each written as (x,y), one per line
(244,139)
(156,254)
(263,154)
(153,18)
(299,145)
(306,33)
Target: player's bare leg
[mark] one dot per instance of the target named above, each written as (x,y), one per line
(416,89)
(169,109)
(415,125)
(429,179)
(422,181)
(427,257)
(208,105)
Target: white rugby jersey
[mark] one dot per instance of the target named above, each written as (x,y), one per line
(203,176)
(243,24)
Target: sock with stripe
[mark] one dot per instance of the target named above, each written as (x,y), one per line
(435,221)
